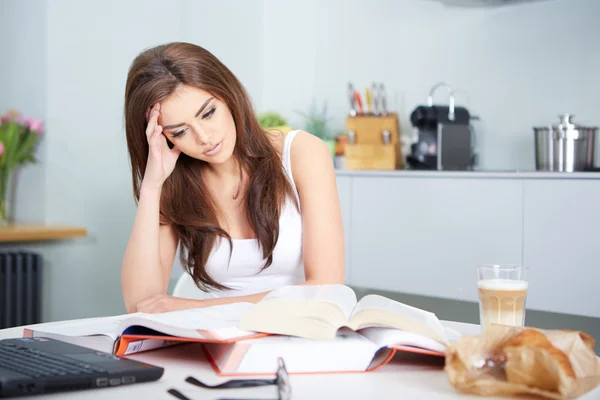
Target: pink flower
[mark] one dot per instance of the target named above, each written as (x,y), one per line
(24,120)
(36,126)
(1,149)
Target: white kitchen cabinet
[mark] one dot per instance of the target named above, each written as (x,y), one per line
(425,236)
(562,245)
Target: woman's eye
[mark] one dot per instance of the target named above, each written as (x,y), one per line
(209,113)
(179,133)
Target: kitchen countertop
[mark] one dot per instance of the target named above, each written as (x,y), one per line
(484,174)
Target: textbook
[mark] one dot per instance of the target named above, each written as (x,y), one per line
(350,351)
(133,333)
(323,328)
(319,311)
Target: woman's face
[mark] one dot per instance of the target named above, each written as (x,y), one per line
(198,124)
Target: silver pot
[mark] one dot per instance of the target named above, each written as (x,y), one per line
(565,147)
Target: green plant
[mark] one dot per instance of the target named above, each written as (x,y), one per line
(317,121)
(271,119)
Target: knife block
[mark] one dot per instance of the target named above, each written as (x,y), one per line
(369,150)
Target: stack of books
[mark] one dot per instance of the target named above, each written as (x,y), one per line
(315,329)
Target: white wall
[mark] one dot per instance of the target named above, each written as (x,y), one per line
(232,31)
(23,87)
(517,66)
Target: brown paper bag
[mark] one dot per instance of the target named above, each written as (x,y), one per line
(509,361)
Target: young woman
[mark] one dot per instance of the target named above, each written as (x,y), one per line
(251,211)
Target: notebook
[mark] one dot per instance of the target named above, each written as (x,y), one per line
(133,333)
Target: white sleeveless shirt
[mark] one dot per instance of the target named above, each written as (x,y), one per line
(243,272)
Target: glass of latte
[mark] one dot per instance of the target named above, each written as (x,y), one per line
(502,292)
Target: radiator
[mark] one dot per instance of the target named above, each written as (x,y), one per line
(20,288)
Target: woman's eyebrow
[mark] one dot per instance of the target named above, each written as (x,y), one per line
(198,113)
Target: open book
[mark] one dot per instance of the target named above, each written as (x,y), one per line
(319,311)
(133,333)
(324,328)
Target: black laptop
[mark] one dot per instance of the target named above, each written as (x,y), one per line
(41,365)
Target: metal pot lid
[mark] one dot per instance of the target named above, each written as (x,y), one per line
(566,128)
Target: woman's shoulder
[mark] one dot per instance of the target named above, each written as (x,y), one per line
(307,146)
(309,154)
(303,141)
(277,139)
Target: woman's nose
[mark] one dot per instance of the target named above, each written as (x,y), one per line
(202,136)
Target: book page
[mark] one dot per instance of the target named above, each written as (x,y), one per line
(347,351)
(105,326)
(390,337)
(222,321)
(340,295)
(452,334)
(375,310)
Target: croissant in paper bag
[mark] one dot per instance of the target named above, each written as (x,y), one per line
(512,361)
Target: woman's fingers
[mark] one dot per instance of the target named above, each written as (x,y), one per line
(152,120)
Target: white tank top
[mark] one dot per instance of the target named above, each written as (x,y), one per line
(243,272)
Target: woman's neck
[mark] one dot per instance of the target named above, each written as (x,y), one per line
(225,171)
(227,176)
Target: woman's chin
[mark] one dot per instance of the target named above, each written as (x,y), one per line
(217,159)
(220,157)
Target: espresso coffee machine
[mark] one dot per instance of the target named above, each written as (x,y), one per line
(444,138)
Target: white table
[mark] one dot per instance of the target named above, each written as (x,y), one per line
(406,377)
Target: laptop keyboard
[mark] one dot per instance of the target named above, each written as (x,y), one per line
(40,364)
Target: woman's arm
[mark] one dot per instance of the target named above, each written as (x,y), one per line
(323,232)
(149,254)
(151,249)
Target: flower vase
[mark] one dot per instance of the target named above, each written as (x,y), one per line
(6,197)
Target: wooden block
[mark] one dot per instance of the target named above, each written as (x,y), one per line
(370,150)
(371,156)
(368,129)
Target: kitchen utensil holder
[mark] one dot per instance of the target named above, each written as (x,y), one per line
(374,142)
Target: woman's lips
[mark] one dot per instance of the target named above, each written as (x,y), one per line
(214,150)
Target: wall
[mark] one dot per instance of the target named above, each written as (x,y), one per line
(515,66)
(23,87)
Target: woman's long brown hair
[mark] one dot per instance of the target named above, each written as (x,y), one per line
(185,202)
